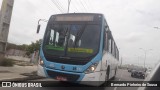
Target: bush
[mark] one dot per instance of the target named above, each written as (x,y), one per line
(6,62)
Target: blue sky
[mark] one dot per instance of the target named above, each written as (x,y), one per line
(131,23)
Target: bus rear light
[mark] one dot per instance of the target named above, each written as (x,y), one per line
(92,68)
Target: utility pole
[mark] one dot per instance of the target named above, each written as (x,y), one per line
(69,2)
(145,52)
(137,57)
(5,19)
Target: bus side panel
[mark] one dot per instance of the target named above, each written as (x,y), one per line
(113,66)
(103,67)
(108,61)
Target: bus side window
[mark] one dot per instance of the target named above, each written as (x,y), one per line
(105,43)
(110,46)
(117,54)
(109,41)
(113,48)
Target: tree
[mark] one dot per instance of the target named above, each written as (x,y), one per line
(33,47)
(18,47)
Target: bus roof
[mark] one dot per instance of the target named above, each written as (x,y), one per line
(77,17)
(79,14)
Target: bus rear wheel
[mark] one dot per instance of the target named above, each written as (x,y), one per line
(107,76)
(114,74)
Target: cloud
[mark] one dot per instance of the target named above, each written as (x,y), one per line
(26,14)
(133,37)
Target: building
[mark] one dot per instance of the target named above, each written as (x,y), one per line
(5,18)
(15,52)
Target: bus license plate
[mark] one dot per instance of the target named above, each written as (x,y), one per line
(61,78)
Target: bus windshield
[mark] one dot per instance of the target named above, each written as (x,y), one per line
(72,40)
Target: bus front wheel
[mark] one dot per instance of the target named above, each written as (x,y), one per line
(107,74)
(106,77)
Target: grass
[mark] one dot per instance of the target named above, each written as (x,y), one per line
(6,62)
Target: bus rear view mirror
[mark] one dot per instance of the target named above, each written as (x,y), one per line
(38,28)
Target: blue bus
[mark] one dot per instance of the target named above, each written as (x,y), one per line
(78,47)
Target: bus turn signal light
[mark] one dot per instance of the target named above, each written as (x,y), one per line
(41,62)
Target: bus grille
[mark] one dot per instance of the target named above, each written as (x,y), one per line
(68,61)
(69,77)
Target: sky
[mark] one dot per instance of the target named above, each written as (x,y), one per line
(132,23)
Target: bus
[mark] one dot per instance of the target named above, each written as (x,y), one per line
(78,47)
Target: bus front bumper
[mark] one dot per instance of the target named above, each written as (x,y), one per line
(81,78)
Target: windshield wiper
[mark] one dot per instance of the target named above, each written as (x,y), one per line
(66,47)
(79,34)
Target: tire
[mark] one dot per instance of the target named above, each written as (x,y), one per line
(106,78)
(143,77)
(114,74)
(107,73)
(132,75)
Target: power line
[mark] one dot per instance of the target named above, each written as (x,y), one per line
(91,5)
(51,6)
(75,8)
(61,6)
(69,2)
(86,4)
(77,4)
(83,5)
(57,6)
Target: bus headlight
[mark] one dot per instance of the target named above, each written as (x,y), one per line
(41,62)
(92,68)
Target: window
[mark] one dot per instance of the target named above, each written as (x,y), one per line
(105,41)
(72,40)
(115,51)
(110,46)
(113,48)
(117,54)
